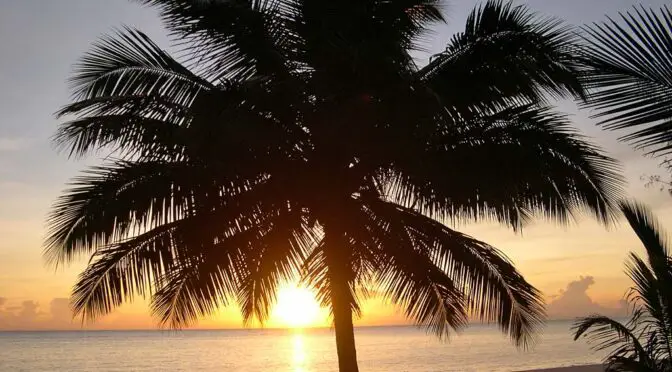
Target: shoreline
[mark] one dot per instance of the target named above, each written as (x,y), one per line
(583,368)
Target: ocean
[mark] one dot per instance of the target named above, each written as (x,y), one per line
(479,348)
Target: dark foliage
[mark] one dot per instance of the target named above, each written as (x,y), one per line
(298,137)
(644,342)
(630,76)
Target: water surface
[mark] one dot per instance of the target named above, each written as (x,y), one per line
(480,348)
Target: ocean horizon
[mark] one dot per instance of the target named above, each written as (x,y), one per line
(379,348)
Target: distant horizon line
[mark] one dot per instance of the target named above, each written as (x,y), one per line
(246,329)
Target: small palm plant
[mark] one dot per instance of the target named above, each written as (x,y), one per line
(644,342)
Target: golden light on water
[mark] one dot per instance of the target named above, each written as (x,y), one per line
(296,308)
(299,353)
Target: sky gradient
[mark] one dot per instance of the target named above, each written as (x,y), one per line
(578,267)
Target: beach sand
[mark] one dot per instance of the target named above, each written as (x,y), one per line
(591,368)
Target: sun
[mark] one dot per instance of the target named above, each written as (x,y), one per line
(296,307)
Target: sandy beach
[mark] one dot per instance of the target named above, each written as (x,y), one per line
(591,368)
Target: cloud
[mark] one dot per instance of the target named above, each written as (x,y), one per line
(28,311)
(574,302)
(30,315)
(59,309)
(56,314)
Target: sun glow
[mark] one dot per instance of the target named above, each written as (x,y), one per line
(299,355)
(296,308)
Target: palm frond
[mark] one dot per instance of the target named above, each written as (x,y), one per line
(171,260)
(520,161)
(385,258)
(629,76)
(642,344)
(118,272)
(93,212)
(277,256)
(193,289)
(342,261)
(126,89)
(314,274)
(404,22)
(130,63)
(110,203)
(131,126)
(649,232)
(646,291)
(505,54)
(492,288)
(413,281)
(608,334)
(331,279)
(211,271)
(230,39)
(653,282)
(365,44)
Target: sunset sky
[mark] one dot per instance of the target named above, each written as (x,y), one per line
(578,267)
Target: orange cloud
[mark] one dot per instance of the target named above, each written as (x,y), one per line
(28,315)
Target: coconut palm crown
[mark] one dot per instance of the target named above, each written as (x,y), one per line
(301,138)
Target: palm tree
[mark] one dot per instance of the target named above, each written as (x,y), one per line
(644,343)
(630,76)
(299,138)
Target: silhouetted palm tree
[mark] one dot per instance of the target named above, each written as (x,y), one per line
(644,343)
(303,139)
(630,76)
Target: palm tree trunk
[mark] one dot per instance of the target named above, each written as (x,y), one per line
(345,335)
(337,255)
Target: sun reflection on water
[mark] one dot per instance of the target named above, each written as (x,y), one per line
(299,353)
